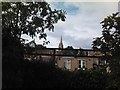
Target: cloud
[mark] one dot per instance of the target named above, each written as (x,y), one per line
(82,23)
(70,8)
(80,29)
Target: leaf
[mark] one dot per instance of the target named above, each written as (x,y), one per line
(30,18)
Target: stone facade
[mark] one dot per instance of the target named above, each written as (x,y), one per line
(75,63)
(68,60)
(72,63)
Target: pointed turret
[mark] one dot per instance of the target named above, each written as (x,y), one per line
(61,44)
(119,8)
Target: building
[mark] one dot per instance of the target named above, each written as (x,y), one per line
(66,58)
(74,63)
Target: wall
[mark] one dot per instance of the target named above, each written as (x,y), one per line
(75,62)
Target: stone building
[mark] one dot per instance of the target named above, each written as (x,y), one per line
(74,63)
(71,59)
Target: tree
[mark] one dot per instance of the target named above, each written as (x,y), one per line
(109,45)
(69,51)
(29,18)
(19,18)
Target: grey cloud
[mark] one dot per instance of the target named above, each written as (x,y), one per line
(82,42)
(80,29)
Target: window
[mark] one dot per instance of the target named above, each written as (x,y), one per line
(67,64)
(82,63)
(79,63)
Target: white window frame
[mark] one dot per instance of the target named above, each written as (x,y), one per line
(81,63)
(67,64)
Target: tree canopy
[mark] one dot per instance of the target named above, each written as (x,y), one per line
(110,39)
(19,18)
(109,42)
(29,18)
(109,45)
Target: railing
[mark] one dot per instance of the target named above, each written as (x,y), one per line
(63,52)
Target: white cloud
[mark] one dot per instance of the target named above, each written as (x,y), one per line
(84,25)
(79,29)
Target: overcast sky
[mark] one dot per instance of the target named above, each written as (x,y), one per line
(82,23)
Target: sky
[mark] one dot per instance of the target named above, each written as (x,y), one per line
(82,23)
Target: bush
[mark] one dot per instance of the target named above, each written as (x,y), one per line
(89,79)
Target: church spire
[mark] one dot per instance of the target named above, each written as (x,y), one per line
(61,44)
(61,39)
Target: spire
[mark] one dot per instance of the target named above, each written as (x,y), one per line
(61,39)
(61,44)
(119,8)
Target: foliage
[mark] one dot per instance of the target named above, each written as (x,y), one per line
(19,18)
(29,18)
(89,79)
(110,40)
(20,73)
(12,61)
(44,75)
(109,45)
(81,52)
(69,50)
